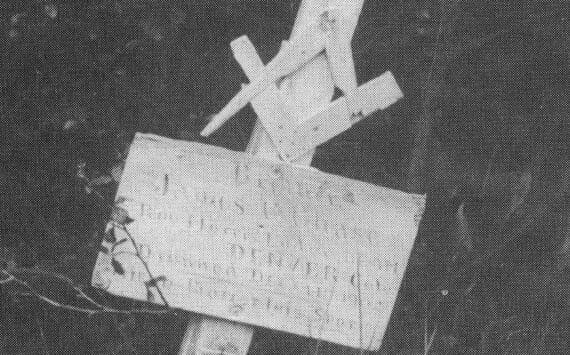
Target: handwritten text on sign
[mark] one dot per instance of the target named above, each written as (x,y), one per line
(277,246)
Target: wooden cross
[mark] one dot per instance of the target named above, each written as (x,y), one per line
(290,132)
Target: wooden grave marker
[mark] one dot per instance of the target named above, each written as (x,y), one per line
(259,242)
(311,89)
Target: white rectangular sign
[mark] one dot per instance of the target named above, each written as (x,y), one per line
(263,243)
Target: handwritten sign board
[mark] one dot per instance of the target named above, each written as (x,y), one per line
(258,242)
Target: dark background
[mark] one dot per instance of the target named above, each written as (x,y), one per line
(483,130)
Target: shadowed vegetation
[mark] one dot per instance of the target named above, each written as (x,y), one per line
(483,130)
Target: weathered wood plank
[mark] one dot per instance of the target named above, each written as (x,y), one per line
(313,87)
(268,244)
(211,336)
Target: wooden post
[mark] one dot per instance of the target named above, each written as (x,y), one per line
(310,88)
(210,336)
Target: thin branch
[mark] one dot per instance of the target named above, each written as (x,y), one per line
(428,343)
(123,227)
(145,264)
(60,277)
(42,336)
(99,308)
(9,278)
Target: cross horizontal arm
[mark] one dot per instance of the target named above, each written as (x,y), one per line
(377,94)
(293,139)
(331,30)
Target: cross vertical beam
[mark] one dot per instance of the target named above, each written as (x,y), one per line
(311,87)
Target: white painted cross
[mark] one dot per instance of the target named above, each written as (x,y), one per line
(286,132)
(279,115)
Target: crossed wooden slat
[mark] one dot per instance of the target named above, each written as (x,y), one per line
(290,130)
(281,119)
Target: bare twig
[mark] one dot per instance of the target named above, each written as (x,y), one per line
(145,264)
(123,227)
(42,336)
(97,307)
(428,343)
(428,340)
(9,278)
(59,277)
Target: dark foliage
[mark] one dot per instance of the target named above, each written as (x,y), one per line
(486,86)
